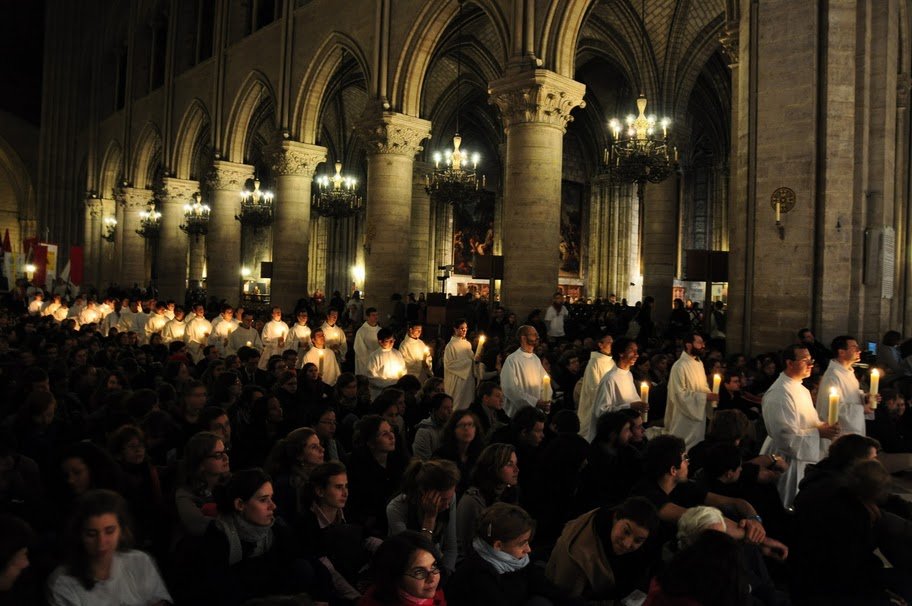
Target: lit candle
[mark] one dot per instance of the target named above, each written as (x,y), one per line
(644,397)
(481,342)
(875,387)
(249,344)
(321,360)
(717,381)
(833,416)
(546,389)
(778,212)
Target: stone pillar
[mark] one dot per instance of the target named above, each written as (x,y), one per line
(319,259)
(535,106)
(92,243)
(223,242)
(293,165)
(419,235)
(131,202)
(172,242)
(659,214)
(392,141)
(108,260)
(196,261)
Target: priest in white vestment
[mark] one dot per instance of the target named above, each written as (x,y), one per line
(335,335)
(222,328)
(156,322)
(175,328)
(416,354)
(196,333)
(138,321)
(795,431)
(840,377)
(366,341)
(244,335)
(522,376)
(274,335)
(459,367)
(324,359)
(689,396)
(617,390)
(35,306)
(600,362)
(299,337)
(385,366)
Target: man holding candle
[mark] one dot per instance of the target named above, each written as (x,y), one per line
(840,379)
(197,332)
(415,352)
(459,367)
(335,336)
(689,395)
(245,335)
(299,336)
(322,358)
(554,318)
(385,365)
(617,389)
(522,376)
(600,362)
(794,428)
(366,341)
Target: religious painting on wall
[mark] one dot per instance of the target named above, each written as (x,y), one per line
(571,229)
(473,232)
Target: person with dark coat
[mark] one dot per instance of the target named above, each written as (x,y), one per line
(374,473)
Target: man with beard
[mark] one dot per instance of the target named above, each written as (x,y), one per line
(689,396)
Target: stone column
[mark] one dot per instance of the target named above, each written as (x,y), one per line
(659,213)
(419,235)
(535,106)
(91,255)
(108,269)
(392,142)
(196,261)
(132,201)
(223,242)
(293,165)
(172,242)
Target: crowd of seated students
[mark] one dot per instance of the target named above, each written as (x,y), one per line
(135,472)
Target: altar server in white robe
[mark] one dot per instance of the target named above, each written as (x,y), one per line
(222,327)
(274,336)
(138,320)
(156,322)
(416,354)
(245,335)
(174,329)
(522,375)
(600,362)
(322,358)
(366,341)
(459,367)
(795,431)
(335,335)
(196,333)
(385,366)
(689,396)
(617,390)
(37,304)
(299,336)
(49,307)
(840,376)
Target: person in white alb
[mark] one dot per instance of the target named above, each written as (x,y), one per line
(600,362)
(416,354)
(156,322)
(196,333)
(138,321)
(244,335)
(274,335)
(793,427)
(554,317)
(459,367)
(335,336)
(385,366)
(366,341)
(617,390)
(51,306)
(299,337)
(322,358)
(689,396)
(222,327)
(89,314)
(169,310)
(522,375)
(840,377)
(174,329)
(36,304)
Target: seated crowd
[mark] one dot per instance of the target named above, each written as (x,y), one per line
(151,458)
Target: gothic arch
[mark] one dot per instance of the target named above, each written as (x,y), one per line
(148,149)
(419,45)
(111,169)
(309,101)
(560,34)
(246,102)
(195,119)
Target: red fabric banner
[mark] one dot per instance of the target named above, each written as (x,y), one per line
(7,246)
(39,260)
(76,265)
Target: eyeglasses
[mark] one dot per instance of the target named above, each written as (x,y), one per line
(221,455)
(422,574)
(808,361)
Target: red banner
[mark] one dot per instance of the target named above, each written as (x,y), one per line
(76,265)
(7,247)
(39,260)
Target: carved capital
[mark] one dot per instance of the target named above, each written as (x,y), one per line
(297,159)
(391,133)
(536,96)
(133,198)
(178,190)
(94,207)
(228,175)
(730,40)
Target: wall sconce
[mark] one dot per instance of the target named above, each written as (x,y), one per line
(783,201)
(110,225)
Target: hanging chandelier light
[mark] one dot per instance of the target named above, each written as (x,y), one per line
(453,181)
(149,224)
(110,228)
(637,153)
(196,217)
(257,207)
(337,196)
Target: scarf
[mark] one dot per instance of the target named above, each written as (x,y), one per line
(410,600)
(501,561)
(238,530)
